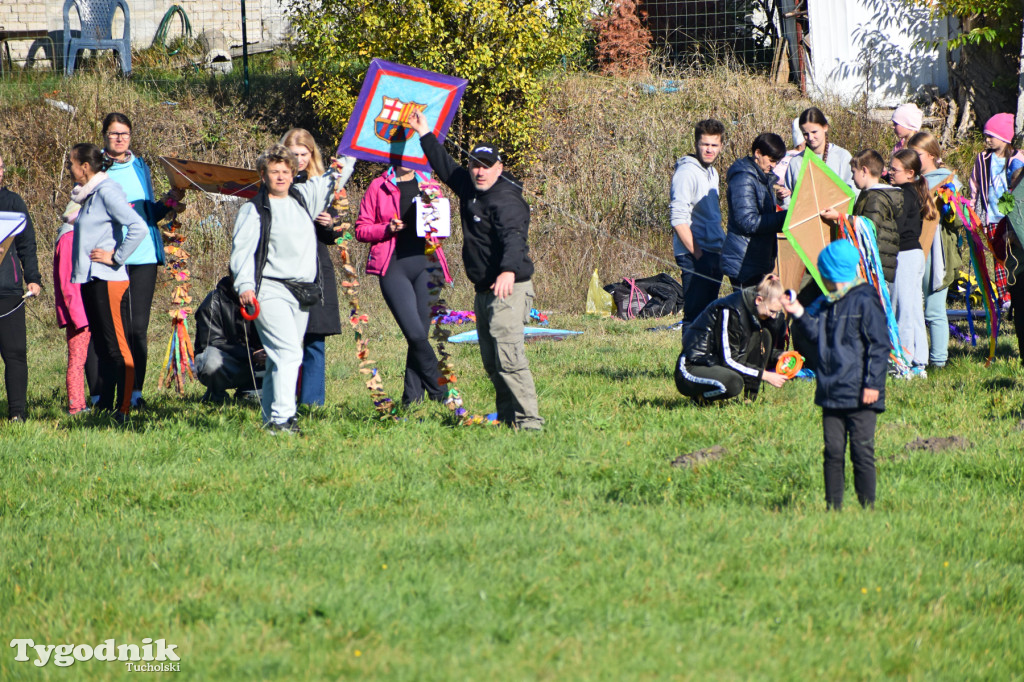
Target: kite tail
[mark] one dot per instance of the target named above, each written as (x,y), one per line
(180,360)
(431,190)
(871,264)
(382,402)
(981,271)
(166,364)
(952,201)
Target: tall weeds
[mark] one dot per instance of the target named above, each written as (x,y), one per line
(602,189)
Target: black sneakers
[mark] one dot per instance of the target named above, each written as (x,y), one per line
(289,428)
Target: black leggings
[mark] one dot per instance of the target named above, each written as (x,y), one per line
(404,287)
(141,285)
(13,350)
(704,383)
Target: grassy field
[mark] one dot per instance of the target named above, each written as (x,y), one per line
(418,551)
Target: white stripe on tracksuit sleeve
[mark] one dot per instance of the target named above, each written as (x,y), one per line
(727,354)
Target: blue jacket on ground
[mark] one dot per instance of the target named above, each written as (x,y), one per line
(751,244)
(852,339)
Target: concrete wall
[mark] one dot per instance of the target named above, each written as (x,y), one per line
(265,20)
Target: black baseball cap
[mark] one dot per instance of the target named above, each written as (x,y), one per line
(484,155)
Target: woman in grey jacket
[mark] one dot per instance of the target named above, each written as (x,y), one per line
(274,248)
(107,231)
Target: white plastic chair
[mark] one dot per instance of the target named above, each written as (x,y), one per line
(96,18)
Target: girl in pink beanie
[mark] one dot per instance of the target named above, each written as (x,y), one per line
(906,120)
(990,179)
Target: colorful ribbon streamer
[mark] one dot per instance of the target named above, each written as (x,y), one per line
(862,234)
(382,402)
(430,190)
(179,360)
(949,200)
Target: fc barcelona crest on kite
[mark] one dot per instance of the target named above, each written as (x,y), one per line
(378,129)
(392,123)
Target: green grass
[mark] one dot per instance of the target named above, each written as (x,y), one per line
(418,551)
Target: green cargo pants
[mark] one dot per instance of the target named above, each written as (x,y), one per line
(499,325)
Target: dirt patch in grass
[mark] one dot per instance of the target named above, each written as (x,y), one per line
(692,459)
(939,443)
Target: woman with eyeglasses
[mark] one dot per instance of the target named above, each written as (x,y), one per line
(730,347)
(133,175)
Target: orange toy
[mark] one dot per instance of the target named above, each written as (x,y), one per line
(789,364)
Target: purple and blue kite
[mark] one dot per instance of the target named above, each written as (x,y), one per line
(378,129)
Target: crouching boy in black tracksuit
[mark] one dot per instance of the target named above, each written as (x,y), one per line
(848,328)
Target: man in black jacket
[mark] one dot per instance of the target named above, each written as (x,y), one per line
(18,265)
(495,227)
(228,349)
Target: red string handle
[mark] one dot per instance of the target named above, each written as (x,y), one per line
(255,314)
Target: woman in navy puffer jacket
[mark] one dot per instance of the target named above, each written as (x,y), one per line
(750,241)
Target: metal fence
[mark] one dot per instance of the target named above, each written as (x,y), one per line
(765,35)
(33,35)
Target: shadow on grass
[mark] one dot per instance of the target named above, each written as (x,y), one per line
(661,403)
(1001,384)
(623,373)
(170,411)
(979,352)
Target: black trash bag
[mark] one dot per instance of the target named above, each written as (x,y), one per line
(628,297)
(647,297)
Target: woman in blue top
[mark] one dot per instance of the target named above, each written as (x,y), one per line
(132,174)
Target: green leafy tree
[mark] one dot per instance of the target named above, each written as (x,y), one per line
(984,76)
(502,47)
(996,22)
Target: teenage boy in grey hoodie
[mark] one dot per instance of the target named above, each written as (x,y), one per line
(696,219)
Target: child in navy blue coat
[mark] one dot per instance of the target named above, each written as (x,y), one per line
(849,329)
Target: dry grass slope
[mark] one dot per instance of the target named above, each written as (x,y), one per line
(603,183)
(600,188)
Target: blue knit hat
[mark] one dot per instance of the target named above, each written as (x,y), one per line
(839,260)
